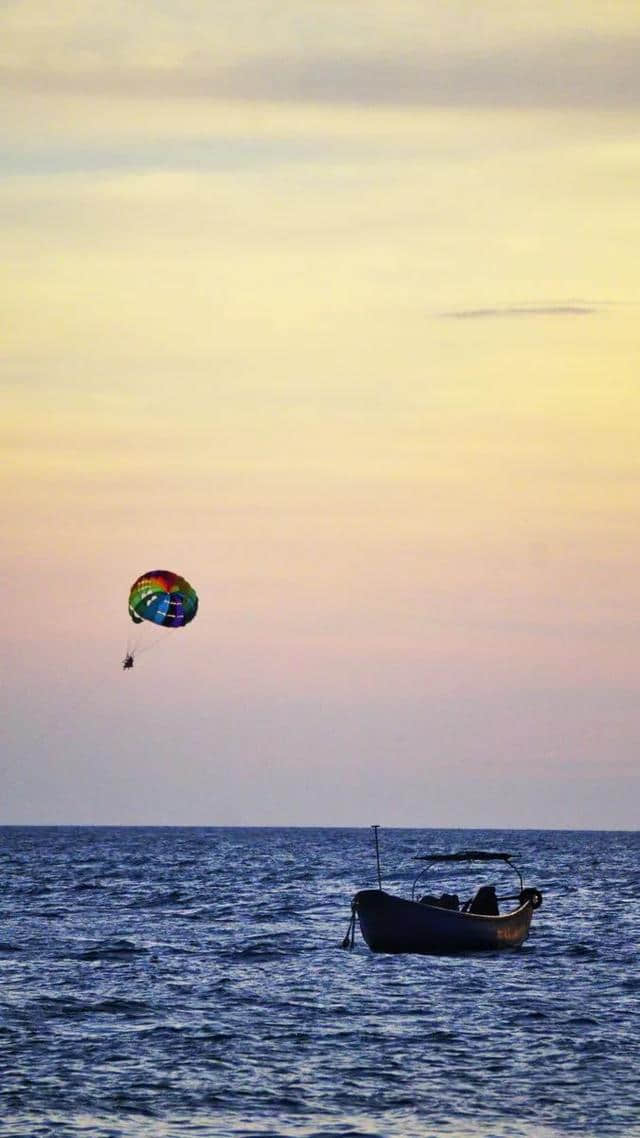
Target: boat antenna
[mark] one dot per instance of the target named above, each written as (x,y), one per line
(375,834)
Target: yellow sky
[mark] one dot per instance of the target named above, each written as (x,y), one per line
(336,315)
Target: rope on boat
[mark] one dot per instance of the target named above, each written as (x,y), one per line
(351,931)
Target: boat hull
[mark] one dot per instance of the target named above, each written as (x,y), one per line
(392,924)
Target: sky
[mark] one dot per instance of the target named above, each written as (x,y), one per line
(331,308)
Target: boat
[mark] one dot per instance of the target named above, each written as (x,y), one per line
(444,924)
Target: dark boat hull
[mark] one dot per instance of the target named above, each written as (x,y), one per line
(392,924)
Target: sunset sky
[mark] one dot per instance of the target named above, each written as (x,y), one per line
(331,307)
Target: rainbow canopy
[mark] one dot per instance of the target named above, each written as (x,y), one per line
(163,598)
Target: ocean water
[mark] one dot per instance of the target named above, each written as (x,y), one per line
(168,983)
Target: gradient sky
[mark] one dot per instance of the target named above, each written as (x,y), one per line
(333,308)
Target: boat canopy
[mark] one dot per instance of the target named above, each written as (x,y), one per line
(465,855)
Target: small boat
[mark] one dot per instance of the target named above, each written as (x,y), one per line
(431,924)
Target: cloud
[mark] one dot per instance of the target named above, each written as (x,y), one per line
(577,73)
(574,72)
(520,310)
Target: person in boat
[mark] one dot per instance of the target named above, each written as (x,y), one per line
(128,661)
(485,902)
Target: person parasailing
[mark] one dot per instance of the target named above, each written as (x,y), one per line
(162,598)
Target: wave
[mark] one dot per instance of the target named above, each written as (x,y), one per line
(117,949)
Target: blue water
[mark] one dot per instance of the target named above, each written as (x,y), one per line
(167,983)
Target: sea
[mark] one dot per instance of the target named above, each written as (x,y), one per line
(174,983)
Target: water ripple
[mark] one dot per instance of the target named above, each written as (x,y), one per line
(180,983)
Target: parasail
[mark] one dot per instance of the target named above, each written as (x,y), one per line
(163,598)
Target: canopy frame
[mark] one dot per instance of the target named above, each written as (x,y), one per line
(465,855)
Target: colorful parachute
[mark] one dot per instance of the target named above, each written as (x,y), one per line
(163,598)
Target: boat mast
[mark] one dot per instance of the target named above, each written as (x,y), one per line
(375,834)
